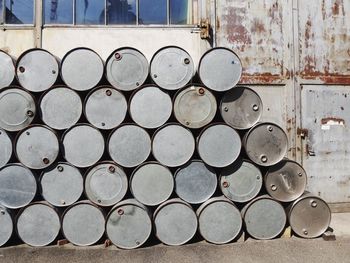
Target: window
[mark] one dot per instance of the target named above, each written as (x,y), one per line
(17,12)
(118,12)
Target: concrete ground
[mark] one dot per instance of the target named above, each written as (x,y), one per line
(279,250)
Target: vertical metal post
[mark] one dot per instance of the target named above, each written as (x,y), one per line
(168,12)
(105,12)
(74,11)
(137,12)
(215,24)
(38,18)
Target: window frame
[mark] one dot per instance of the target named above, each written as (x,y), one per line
(5,25)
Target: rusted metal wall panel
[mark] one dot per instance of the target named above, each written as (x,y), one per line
(260,32)
(326,146)
(324,39)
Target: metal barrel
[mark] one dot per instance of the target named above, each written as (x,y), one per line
(309,216)
(241,182)
(82,69)
(61,185)
(38,224)
(264,218)
(171,68)
(129,145)
(219,219)
(37,70)
(7,69)
(83,223)
(37,146)
(220,69)
(129,224)
(126,68)
(83,145)
(219,145)
(173,145)
(105,107)
(5,148)
(285,181)
(17,109)
(151,183)
(105,184)
(17,186)
(195,182)
(266,144)
(194,106)
(60,107)
(6,225)
(150,107)
(175,222)
(241,108)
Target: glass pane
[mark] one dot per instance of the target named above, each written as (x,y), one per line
(58,11)
(180,12)
(121,12)
(90,12)
(152,12)
(19,11)
(1,12)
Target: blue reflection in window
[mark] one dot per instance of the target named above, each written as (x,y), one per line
(90,12)
(121,12)
(58,11)
(152,12)
(180,12)
(19,11)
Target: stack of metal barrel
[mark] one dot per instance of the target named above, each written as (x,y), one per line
(131,151)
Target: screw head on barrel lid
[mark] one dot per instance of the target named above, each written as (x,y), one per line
(118,56)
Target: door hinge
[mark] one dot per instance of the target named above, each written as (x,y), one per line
(205,28)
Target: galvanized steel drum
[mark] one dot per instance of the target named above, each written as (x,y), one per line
(150,107)
(106,184)
(175,222)
(17,186)
(7,70)
(5,148)
(266,144)
(62,185)
(195,182)
(171,68)
(151,183)
(309,216)
(126,69)
(83,145)
(219,145)
(105,107)
(264,217)
(241,108)
(220,69)
(60,108)
(173,145)
(38,224)
(129,224)
(37,147)
(241,182)
(83,224)
(219,219)
(37,70)
(82,69)
(129,145)
(194,106)
(17,109)
(6,225)
(285,181)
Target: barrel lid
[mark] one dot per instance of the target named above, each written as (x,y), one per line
(37,70)
(194,106)
(241,108)
(82,69)
(5,148)
(60,108)
(127,68)
(6,226)
(171,68)
(150,107)
(7,70)
(17,109)
(173,145)
(37,147)
(106,184)
(220,69)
